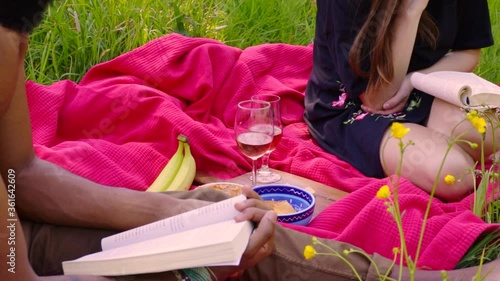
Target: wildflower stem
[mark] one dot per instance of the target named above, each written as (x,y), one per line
(368,258)
(397,212)
(391,267)
(434,186)
(395,203)
(483,168)
(335,253)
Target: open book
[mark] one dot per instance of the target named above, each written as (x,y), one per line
(207,236)
(463,89)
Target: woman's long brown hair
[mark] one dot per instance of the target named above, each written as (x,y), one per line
(374,40)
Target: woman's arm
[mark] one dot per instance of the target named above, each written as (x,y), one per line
(404,32)
(460,60)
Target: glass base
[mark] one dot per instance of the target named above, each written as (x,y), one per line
(266,177)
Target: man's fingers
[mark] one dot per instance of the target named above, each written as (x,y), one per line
(250,193)
(252,203)
(251,261)
(253,213)
(263,236)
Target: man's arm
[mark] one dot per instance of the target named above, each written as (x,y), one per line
(13,249)
(51,194)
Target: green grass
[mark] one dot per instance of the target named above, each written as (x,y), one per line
(489,66)
(78,34)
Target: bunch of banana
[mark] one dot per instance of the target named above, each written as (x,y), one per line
(179,172)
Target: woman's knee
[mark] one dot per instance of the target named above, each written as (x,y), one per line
(460,167)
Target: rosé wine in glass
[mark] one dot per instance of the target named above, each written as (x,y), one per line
(254,130)
(264,174)
(254,144)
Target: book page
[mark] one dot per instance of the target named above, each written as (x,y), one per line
(441,85)
(210,214)
(463,89)
(221,243)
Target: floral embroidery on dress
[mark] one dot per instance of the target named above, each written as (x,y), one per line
(356,116)
(360,116)
(341,101)
(398,116)
(413,103)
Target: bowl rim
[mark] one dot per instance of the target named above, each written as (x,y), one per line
(305,210)
(219,182)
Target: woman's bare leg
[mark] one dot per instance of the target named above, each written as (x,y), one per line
(444,117)
(422,162)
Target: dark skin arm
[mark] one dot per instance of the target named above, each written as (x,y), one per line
(261,242)
(12,242)
(38,185)
(47,193)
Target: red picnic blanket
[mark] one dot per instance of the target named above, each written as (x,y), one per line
(118,127)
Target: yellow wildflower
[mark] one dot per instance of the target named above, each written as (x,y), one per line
(449,179)
(345,252)
(384,192)
(471,114)
(479,123)
(398,130)
(309,252)
(473,145)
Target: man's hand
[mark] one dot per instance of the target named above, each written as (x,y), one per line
(261,242)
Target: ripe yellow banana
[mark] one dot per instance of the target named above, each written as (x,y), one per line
(185,176)
(167,175)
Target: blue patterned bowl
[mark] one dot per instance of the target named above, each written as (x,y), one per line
(301,200)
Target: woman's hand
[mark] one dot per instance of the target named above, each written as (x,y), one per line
(261,242)
(397,102)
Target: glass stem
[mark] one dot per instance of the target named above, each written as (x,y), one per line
(265,163)
(254,174)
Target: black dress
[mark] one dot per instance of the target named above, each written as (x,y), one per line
(332,105)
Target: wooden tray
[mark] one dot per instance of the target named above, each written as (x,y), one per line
(325,194)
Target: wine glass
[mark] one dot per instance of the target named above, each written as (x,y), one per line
(264,174)
(253,127)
